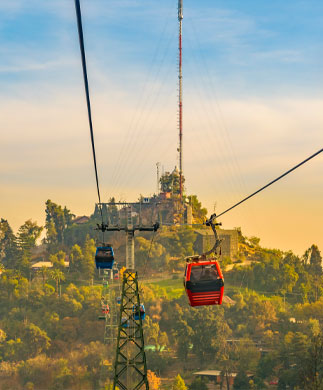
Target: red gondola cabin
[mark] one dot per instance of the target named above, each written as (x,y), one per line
(203,282)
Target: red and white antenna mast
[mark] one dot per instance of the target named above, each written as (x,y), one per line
(180,97)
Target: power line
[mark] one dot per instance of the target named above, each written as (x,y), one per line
(272,182)
(87,94)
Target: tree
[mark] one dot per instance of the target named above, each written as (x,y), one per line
(44,274)
(92,358)
(8,245)
(153,334)
(199,383)
(13,286)
(292,350)
(241,381)
(254,241)
(63,375)
(35,371)
(209,331)
(3,336)
(313,260)
(311,371)
(58,260)
(158,361)
(179,384)
(57,220)
(314,267)
(169,182)
(76,258)
(266,365)
(183,334)
(153,380)
(35,340)
(58,276)
(177,242)
(248,356)
(12,350)
(87,264)
(199,212)
(147,251)
(27,236)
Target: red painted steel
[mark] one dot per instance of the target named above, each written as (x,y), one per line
(180,98)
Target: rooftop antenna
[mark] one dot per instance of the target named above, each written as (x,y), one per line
(180,96)
(158,177)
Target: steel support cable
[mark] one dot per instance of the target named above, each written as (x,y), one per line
(212,121)
(143,118)
(132,171)
(134,138)
(210,93)
(209,86)
(207,153)
(146,153)
(87,94)
(142,102)
(136,124)
(272,182)
(154,155)
(198,116)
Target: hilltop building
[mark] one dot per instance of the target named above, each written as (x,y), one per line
(205,241)
(81,220)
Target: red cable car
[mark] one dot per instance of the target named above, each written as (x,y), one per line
(203,279)
(105,309)
(204,283)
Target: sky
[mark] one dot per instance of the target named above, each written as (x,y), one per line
(252,106)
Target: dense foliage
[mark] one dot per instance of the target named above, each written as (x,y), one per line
(268,332)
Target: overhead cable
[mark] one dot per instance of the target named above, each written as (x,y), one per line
(272,182)
(87,94)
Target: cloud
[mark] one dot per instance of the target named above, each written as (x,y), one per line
(232,145)
(27,66)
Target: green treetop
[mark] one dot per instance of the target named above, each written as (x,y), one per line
(57,220)
(169,182)
(179,383)
(8,244)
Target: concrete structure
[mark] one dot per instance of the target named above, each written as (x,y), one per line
(215,377)
(188,214)
(205,241)
(46,264)
(81,220)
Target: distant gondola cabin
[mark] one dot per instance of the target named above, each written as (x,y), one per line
(104,257)
(139,311)
(204,283)
(115,274)
(105,309)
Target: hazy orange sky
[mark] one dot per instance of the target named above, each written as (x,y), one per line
(252,109)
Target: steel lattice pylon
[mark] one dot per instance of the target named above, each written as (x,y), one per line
(108,299)
(130,369)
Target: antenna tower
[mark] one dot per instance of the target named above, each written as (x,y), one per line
(180,97)
(158,178)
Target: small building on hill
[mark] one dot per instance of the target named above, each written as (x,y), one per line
(81,220)
(217,379)
(205,241)
(46,264)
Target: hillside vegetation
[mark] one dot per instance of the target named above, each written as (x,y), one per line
(269,333)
